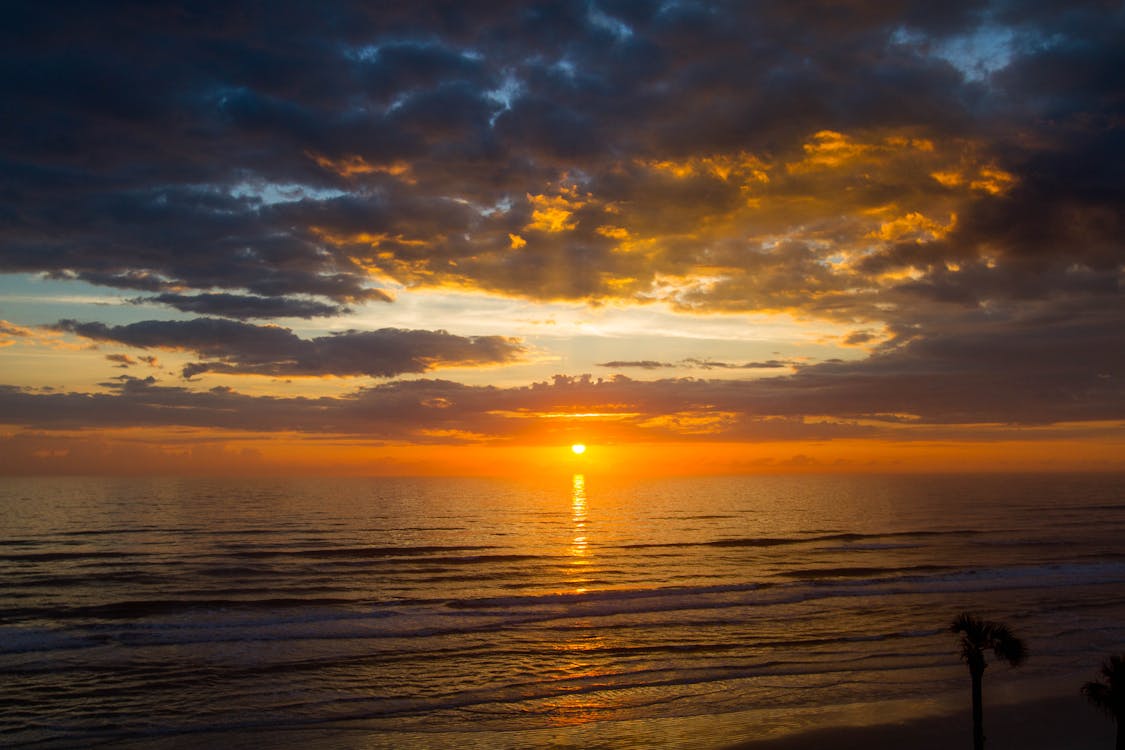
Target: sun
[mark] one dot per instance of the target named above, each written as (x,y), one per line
(578,449)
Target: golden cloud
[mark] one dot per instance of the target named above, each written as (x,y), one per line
(353,165)
(9,332)
(552,213)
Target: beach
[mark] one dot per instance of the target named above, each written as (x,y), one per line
(1058,723)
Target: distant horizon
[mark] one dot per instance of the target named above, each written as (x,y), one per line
(108,453)
(564,473)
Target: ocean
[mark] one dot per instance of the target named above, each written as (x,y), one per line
(576,612)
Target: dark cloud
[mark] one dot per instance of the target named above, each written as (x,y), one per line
(702,364)
(1019,372)
(291,151)
(710,364)
(234,347)
(124,361)
(243,307)
(643,364)
(858,338)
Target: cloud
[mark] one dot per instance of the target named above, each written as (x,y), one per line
(124,361)
(319,153)
(643,364)
(994,384)
(701,364)
(242,306)
(859,338)
(241,348)
(10,333)
(710,364)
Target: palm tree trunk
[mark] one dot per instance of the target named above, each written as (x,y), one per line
(978,713)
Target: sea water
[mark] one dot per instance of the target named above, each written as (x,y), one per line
(577,612)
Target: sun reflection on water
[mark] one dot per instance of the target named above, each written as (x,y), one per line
(579,546)
(579,666)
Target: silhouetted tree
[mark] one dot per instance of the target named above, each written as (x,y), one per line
(978,636)
(1109,693)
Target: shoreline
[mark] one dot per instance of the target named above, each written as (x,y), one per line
(1056,723)
(1060,722)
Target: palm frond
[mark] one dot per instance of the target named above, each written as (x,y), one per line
(978,636)
(1007,646)
(1109,695)
(1099,695)
(966,624)
(1113,669)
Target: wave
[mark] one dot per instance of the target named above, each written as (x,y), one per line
(18,640)
(416,615)
(786,541)
(701,517)
(532,696)
(75,580)
(126,531)
(358,552)
(142,608)
(66,556)
(1101,507)
(615,595)
(859,572)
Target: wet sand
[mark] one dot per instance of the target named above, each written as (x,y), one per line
(1064,723)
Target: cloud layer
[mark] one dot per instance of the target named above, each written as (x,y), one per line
(243,349)
(913,385)
(944,180)
(720,156)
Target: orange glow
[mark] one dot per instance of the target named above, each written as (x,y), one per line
(578,449)
(210,452)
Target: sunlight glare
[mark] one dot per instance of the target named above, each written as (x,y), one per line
(578,449)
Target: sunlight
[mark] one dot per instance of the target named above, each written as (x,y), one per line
(578,449)
(578,547)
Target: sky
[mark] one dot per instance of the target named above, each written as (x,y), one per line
(446,237)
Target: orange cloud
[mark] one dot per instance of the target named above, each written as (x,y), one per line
(993,180)
(552,213)
(353,165)
(741,166)
(913,226)
(10,332)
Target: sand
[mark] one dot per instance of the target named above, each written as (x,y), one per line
(1063,723)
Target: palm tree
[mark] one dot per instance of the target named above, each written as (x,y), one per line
(978,636)
(1109,695)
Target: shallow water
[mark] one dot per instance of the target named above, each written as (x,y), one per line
(584,613)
